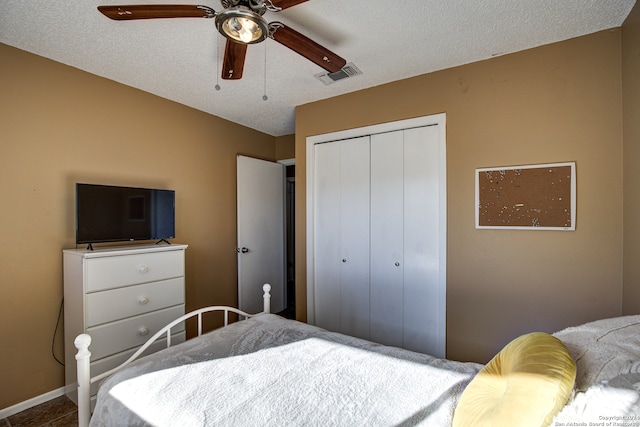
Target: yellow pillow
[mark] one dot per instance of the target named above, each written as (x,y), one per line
(526,384)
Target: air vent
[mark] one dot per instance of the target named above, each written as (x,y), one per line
(349,70)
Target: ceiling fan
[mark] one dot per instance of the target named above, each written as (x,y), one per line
(242,23)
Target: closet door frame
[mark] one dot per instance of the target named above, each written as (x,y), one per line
(438,120)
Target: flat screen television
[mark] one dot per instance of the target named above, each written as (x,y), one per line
(106,213)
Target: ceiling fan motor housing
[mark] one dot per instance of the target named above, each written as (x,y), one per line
(242,25)
(257,6)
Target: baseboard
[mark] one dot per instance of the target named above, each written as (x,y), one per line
(19,407)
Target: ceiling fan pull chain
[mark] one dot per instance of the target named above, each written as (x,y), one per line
(217,86)
(265,97)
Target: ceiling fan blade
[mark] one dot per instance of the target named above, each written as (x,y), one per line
(152,11)
(306,47)
(234,54)
(283,4)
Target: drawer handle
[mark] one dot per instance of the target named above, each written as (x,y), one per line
(143,300)
(143,331)
(143,269)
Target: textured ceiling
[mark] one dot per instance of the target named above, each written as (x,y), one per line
(180,59)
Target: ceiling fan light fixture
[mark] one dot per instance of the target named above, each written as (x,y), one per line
(241,25)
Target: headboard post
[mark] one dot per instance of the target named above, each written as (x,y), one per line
(267,297)
(83,357)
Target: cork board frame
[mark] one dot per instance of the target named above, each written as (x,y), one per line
(532,197)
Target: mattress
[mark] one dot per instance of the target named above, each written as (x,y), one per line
(270,371)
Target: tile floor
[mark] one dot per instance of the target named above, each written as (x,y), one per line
(58,412)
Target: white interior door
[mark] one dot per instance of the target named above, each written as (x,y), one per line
(261,235)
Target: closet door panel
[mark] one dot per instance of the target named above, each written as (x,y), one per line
(387,296)
(327,236)
(422,303)
(379,237)
(354,236)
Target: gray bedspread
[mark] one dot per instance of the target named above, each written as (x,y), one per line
(269,371)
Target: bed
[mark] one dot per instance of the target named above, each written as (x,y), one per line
(269,371)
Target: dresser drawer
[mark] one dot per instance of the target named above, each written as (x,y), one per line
(112,338)
(113,304)
(116,271)
(111,362)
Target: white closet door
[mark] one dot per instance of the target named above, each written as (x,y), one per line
(387,234)
(407,299)
(327,236)
(342,236)
(354,233)
(377,234)
(424,236)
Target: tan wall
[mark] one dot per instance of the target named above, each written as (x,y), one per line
(631,131)
(285,147)
(59,125)
(556,103)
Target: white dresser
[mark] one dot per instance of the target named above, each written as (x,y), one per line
(120,296)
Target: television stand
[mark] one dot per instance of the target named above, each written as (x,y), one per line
(163,240)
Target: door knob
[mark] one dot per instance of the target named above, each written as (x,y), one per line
(243,250)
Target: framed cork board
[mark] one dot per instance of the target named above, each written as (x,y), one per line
(533,197)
